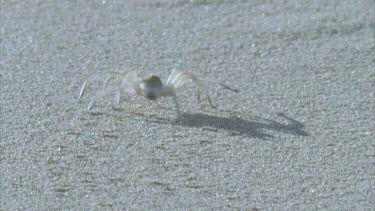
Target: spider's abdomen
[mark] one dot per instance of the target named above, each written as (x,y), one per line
(151,87)
(151,96)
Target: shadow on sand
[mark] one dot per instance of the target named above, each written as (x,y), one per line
(256,128)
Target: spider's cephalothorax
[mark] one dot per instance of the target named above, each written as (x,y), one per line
(150,87)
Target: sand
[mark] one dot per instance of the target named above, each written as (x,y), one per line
(298,135)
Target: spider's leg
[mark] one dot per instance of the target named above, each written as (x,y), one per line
(168,90)
(83,89)
(96,98)
(177,107)
(127,84)
(100,94)
(179,77)
(106,82)
(118,97)
(118,93)
(109,75)
(131,76)
(222,84)
(201,85)
(216,82)
(210,101)
(172,76)
(198,92)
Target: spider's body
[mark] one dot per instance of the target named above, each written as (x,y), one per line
(150,87)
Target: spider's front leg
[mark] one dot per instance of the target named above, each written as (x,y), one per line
(122,83)
(177,107)
(107,75)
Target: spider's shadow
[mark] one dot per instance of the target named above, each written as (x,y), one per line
(255,128)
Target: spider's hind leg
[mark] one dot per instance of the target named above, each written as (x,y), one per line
(205,90)
(198,93)
(210,101)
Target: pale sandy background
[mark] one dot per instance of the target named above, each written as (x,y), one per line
(298,135)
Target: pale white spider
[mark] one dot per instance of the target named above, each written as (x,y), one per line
(150,87)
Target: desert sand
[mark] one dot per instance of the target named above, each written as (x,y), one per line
(298,135)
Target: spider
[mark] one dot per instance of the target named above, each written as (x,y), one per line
(150,87)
